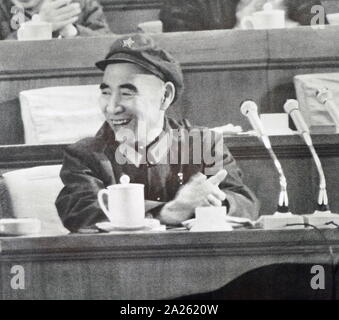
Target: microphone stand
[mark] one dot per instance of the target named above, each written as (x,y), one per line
(322,216)
(282,218)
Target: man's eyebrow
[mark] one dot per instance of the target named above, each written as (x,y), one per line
(129,87)
(103,86)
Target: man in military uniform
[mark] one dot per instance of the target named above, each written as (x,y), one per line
(86,16)
(181,167)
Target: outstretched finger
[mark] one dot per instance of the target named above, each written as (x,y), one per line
(218,177)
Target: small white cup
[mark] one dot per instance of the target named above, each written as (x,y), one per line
(151,26)
(126,205)
(211,219)
(275,123)
(35,30)
(333,18)
(266,19)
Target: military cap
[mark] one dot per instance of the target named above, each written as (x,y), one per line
(142,50)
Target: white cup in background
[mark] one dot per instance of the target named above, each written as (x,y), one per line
(275,123)
(333,18)
(266,19)
(35,30)
(126,205)
(151,26)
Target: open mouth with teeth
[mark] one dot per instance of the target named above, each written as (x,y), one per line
(120,122)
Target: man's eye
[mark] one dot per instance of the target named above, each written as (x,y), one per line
(127,93)
(105,93)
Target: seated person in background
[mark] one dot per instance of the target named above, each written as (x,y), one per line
(181,167)
(194,15)
(86,15)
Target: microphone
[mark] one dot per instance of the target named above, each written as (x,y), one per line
(250,110)
(291,107)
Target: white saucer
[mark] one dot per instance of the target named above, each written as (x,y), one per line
(149,224)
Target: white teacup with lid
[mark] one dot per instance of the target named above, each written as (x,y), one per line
(126,204)
(35,29)
(268,18)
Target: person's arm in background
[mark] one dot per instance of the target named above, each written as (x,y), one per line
(92,20)
(88,18)
(195,15)
(301,10)
(178,15)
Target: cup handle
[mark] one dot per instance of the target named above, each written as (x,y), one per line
(101,194)
(247,23)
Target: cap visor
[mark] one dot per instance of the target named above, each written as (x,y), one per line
(121,58)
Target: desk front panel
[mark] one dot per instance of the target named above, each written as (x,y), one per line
(153,265)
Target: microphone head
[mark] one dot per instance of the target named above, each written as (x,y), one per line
(248,106)
(291,105)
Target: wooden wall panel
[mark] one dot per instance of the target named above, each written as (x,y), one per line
(213,97)
(302,50)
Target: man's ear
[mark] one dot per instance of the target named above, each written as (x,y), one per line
(169,94)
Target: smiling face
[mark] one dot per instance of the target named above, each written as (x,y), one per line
(131,99)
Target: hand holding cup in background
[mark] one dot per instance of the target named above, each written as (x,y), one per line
(35,30)
(60,13)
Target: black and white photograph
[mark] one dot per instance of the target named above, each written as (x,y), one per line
(170,155)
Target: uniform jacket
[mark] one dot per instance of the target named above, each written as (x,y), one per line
(91,21)
(194,15)
(95,163)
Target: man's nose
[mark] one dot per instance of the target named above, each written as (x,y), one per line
(114,106)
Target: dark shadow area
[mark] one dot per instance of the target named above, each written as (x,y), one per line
(11,126)
(276,282)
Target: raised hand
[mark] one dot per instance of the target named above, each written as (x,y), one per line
(197,192)
(59,12)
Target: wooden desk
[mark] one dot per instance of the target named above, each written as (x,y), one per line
(151,265)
